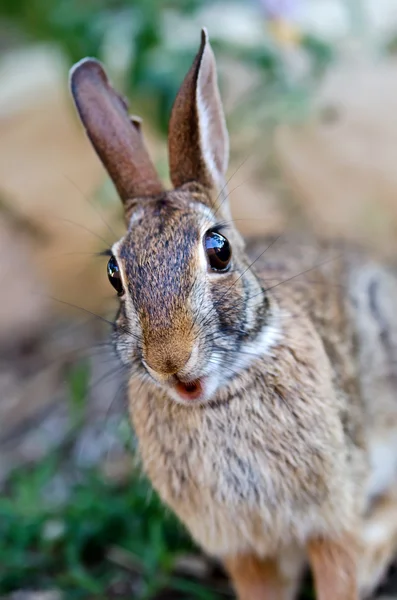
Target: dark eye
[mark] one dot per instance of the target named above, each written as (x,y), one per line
(114,276)
(218,251)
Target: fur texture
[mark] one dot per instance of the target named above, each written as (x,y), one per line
(291,350)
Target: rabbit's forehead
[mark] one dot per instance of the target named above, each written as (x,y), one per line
(160,229)
(161,254)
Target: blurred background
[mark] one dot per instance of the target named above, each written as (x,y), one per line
(310,91)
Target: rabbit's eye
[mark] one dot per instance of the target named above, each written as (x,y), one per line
(114,276)
(218,250)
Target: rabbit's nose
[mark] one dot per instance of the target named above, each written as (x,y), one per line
(166,357)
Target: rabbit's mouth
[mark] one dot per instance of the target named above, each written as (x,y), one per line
(190,390)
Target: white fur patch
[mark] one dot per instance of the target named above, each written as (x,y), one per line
(266,340)
(131,312)
(210,109)
(383,459)
(202,258)
(136,216)
(376,532)
(205,137)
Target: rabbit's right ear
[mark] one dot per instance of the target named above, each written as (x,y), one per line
(198,140)
(116,136)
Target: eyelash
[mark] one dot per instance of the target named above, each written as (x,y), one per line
(219,228)
(107,252)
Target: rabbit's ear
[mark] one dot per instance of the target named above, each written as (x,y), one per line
(116,137)
(198,142)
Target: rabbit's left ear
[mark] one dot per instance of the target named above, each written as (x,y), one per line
(198,142)
(116,137)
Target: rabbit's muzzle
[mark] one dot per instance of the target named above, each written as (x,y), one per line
(171,359)
(167,343)
(167,356)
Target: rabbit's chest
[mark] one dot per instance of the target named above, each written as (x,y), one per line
(217,460)
(231,474)
(216,484)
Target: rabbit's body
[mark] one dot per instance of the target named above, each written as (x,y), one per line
(214,452)
(281,437)
(297,445)
(263,384)
(247,474)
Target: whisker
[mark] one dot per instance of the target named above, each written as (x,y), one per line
(106,252)
(116,373)
(267,289)
(229,193)
(120,368)
(86,310)
(104,350)
(122,388)
(272,287)
(238,352)
(93,206)
(106,242)
(121,392)
(220,363)
(326,283)
(227,183)
(98,254)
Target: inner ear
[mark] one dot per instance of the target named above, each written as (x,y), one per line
(198,142)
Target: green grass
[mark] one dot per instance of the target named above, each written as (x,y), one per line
(73,530)
(72,545)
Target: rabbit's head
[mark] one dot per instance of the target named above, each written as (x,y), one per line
(192,312)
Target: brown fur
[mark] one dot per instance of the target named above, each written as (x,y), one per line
(115,137)
(264,426)
(255,579)
(282,457)
(166,326)
(334,568)
(185,140)
(378,541)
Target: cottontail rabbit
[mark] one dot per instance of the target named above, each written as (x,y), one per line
(264,402)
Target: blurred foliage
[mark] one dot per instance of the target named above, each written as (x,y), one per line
(153,70)
(78,379)
(69,545)
(72,530)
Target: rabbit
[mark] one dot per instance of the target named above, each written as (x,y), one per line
(264,402)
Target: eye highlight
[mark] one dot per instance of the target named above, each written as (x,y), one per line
(218,249)
(114,275)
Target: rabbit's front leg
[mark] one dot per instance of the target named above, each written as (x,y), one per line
(334,567)
(256,579)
